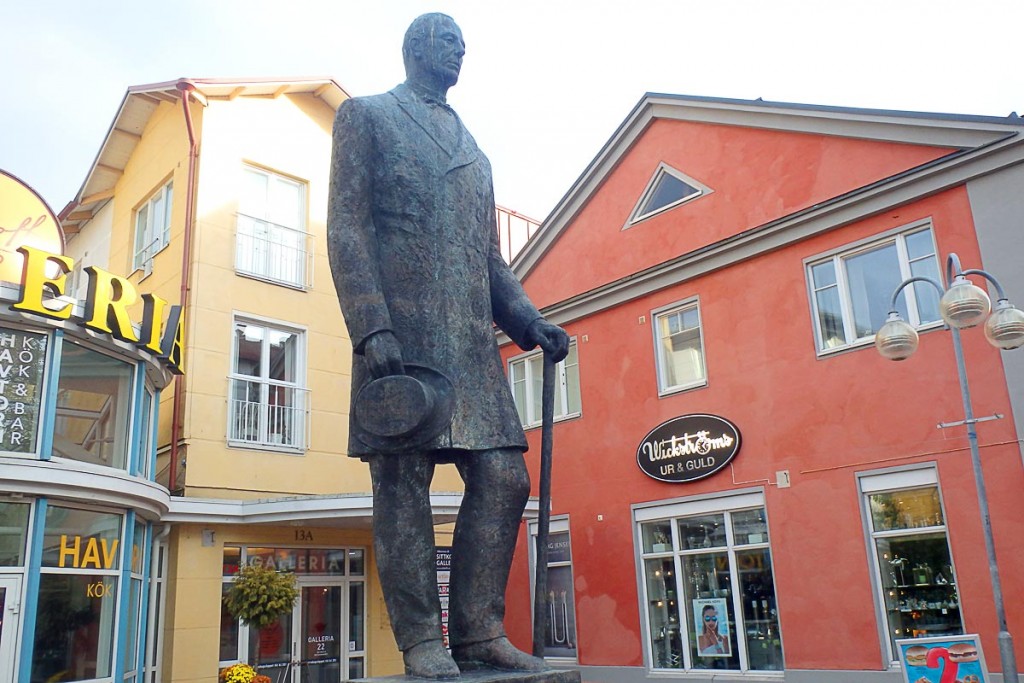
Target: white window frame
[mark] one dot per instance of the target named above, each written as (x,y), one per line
(664,169)
(556,525)
(908,478)
(838,257)
(301,392)
(269,247)
(665,389)
(153,237)
(561,407)
(673,510)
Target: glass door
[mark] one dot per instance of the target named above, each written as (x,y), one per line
(322,640)
(10,609)
(320,635)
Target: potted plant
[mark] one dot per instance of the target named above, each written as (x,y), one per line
(241,673)
(259,597)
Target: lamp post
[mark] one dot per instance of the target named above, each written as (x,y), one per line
(964,305)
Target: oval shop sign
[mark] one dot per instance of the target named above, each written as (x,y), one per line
(688,448)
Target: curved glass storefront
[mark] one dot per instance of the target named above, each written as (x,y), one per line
(78,504)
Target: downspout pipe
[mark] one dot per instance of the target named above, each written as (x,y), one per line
(186,88)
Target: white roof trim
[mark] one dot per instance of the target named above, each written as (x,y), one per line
(940,130)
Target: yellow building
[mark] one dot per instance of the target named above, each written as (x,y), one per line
(212,194)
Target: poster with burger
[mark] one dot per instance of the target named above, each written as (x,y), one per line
(943,659)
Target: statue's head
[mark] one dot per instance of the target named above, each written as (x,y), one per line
(433,50)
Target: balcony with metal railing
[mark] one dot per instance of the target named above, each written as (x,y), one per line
(272,252)
(267,414)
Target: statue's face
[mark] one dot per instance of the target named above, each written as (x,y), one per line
(440,53)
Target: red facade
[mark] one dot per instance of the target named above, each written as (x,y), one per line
(788,186)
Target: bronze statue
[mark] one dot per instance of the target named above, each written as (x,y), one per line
(414,253)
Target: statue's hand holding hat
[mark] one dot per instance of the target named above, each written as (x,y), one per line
(400,412)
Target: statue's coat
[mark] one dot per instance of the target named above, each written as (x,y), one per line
(414,249)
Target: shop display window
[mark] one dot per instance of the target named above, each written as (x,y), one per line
(327,621)
(560,604)
(75,630)
(93,408)
(13,531)
(23,369)
(918,587)
(709,591)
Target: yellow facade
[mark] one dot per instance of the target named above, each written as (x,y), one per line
(281,130)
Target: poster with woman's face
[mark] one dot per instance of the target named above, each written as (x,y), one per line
(712,627)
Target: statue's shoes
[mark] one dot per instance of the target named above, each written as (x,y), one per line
(430,660)
(495,654)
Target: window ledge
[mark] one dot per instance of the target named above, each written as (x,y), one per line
(562,418)
(271,281)
(670,391)
(266,447)
(870,341)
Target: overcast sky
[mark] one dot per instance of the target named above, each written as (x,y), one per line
(544,83)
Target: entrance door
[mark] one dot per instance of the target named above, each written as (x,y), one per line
(10,613)
(321,641)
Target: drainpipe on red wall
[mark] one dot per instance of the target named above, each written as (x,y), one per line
(186,267)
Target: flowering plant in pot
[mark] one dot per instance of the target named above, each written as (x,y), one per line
(260,596)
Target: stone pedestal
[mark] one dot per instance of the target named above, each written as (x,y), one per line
(552,676)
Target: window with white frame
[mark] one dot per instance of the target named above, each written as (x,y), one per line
(152,228)
(916,582)
(851,290)
(680,350)
(269,403)
(271,241)
(667,189)
(526,376)
(708,586)
(560,604)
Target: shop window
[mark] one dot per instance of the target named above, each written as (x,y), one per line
(13,532)
(271,242)
(135,629)
(667,189)
(78,595)
(560,604)
(680,350)
(708,586)
(328,616)
(152,228)
(269,404)
(144,435)
(93,407)
(22,369)
(155,625)
(916,581)
(526,376)
(851,291)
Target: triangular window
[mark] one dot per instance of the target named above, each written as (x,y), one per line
(668,188)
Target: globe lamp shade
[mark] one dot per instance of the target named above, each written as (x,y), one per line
(896,339)
(964,304)
(1005,327)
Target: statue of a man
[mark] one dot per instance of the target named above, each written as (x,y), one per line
(414,253)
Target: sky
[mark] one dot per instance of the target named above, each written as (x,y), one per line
(544,84)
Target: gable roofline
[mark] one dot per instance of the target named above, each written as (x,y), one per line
(957,132)
(138,105)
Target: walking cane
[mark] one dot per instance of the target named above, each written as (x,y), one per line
(540,590)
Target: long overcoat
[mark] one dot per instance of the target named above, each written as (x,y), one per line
(413,249)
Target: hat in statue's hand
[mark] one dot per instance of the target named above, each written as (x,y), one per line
(400,412)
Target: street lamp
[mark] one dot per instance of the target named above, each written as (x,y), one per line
(964,305)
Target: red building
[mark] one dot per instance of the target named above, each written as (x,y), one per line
(733,259)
